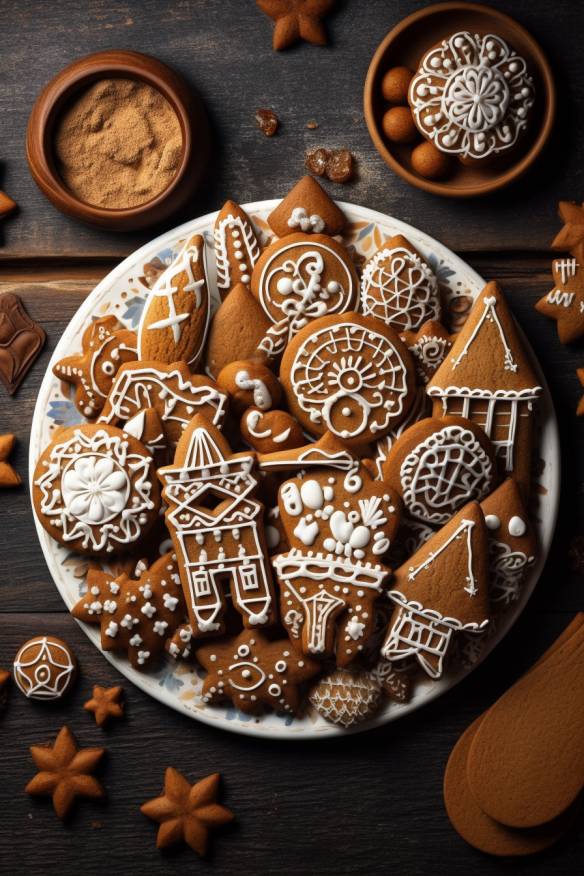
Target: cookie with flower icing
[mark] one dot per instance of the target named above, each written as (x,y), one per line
(472,96)
(307,208)
(95,489)
(249,382)
(105,347)
(350,375)
(399,287)
(236,247)
(298,279)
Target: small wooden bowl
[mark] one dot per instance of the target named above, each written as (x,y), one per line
(407,43)
(77,77)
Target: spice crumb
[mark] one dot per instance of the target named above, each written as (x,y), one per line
(312,125)
(338,165)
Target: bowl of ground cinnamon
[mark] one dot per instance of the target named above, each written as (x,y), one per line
(118,139)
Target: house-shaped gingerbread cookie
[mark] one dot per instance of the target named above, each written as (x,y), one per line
(487,378)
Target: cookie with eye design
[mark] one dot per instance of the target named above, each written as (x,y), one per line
(350,375)
(105,346)
(254,673)
(298,279)
(270,431)
(249,382)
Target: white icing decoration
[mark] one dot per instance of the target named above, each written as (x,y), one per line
(507,569)
(239,229)
(299,218)
(517,527)
(253,676)
(253,418)
(291,499)
(306,532)
(400,289)
(493,522)
(465,527)
(94,489)
(261,394)
(50,659)
(312,494)
(429,352)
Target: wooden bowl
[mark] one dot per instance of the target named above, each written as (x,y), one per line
(407,43)
(77,77)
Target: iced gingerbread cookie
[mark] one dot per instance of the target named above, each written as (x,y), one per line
(419,410)
(249,382)
(105,346)
(136,616)
(270,431)
(307,208)
(216,524)
(328,451)
(429,346)
(399,287)
(442,589)
(45,668)
(169,389)
(472,96)
(95,489)
(438,465)
(174,323)
(299,279)
(254,673)
(565,302)
(339,527)
(236,247)
(346,698)
(350,375)
(237,328)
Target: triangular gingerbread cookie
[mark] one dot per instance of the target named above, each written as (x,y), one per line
(307,207)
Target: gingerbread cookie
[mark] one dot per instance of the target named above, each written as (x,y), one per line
(419,410)
(429,346)
(339,527)
(169,389)
(45,668)
(350,375)
(299,279)
(237,328)
(4,681)
(135,616)
(580,408)
(174,322)
(105,346)
(297,19)
(105,704)
(307,208)
(398,286)
(565,302)
(395,679)
(8,476)
(472,96)
(346,698)
(271,431)
(488,379)
(248,382)
(571,237)
(95,489)
(21,341)
(253,673)
(328,451)
(438,465)
(236,247)
(442,589)
(217,530)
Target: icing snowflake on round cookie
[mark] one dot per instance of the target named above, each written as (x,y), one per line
(472,95)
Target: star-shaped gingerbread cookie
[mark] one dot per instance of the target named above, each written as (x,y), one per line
(65,772)
(297,19)
(253,672)
(186,813)
(571,237)
(105,704)
(565,302)
(8,477)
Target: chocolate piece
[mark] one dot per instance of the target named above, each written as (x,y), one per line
(317,160)
(267,121)
(21,340)
(338,165)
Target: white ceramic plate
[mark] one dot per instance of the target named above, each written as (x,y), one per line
(123,292)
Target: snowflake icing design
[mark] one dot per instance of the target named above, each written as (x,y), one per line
(95,489)
(398,288)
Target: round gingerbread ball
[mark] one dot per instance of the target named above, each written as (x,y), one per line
(45,668)
(395,85)
(399,126)
(429,162)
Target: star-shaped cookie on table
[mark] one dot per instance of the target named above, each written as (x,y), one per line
(105,704)
(65,772)
(8,477)
(297,19)
(571,237)
(186,813)
(565,301)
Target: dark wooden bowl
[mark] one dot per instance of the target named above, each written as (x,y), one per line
(407,43)
(77,77)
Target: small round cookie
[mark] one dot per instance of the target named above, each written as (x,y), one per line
(429,162)
(248,382)
(270,431)
(298,279)
(440,464)
(95,489)
(45,668)
(399,126)
(395,85)
(350,375)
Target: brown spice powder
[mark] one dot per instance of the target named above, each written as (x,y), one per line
(119,144)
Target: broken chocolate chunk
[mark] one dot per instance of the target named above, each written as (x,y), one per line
(21,340)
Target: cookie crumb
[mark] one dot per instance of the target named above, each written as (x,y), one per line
(267,121)
(316,161)
(336,164)
(312,124)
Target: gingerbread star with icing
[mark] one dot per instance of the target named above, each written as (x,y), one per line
(571,237)
(565,301)
(186,813)
(105,704)
(8,477)
(65,772)
(297,19)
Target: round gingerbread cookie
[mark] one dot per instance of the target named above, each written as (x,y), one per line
(438,465)
(298,279)
(350,375)
(472,96)
(248,382)
(95,489)
(270,431)
(45,668)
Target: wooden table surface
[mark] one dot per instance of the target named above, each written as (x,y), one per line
(365,804)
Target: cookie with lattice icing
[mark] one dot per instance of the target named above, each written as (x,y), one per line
(95,490)
(307,208)
(350,375)
(399,287)
(236,247)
